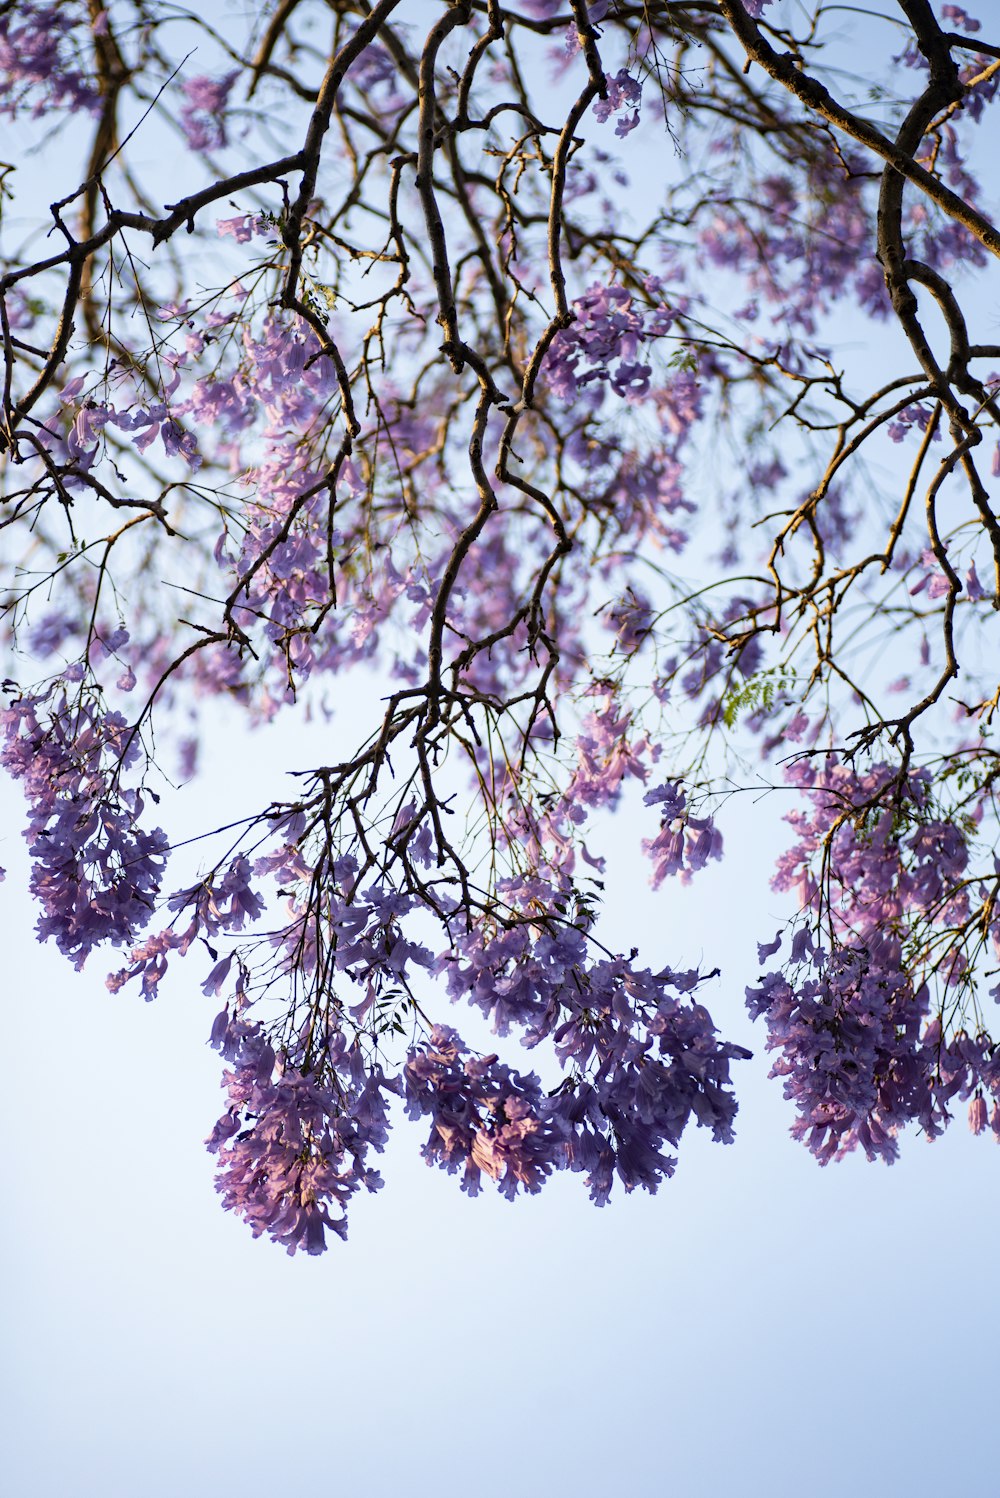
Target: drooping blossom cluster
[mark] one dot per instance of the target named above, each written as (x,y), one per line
(873,849)
(850,1015)
(642,1058)
(144,425)
(96,871)
(294,1141)
(484,1117)
(684,843)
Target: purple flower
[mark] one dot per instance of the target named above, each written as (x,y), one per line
(954,15)
(622,93)
(768,949)
(243,227)
(685,843)
(203,114)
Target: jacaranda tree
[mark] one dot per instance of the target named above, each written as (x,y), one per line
(612,387)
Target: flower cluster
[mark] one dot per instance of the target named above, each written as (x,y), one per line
(601,345)
(800,253)
(918,415)
(890,859)
(858,1057)
(294,1140)
(40,59)
(623,95)
(849,1014)
(684,843)
(484,1117)
(223,902)
(641,1058)
(203,113)
(95,871)
(150,421)
(359,932)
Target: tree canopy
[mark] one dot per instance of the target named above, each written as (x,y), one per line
(611,385)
